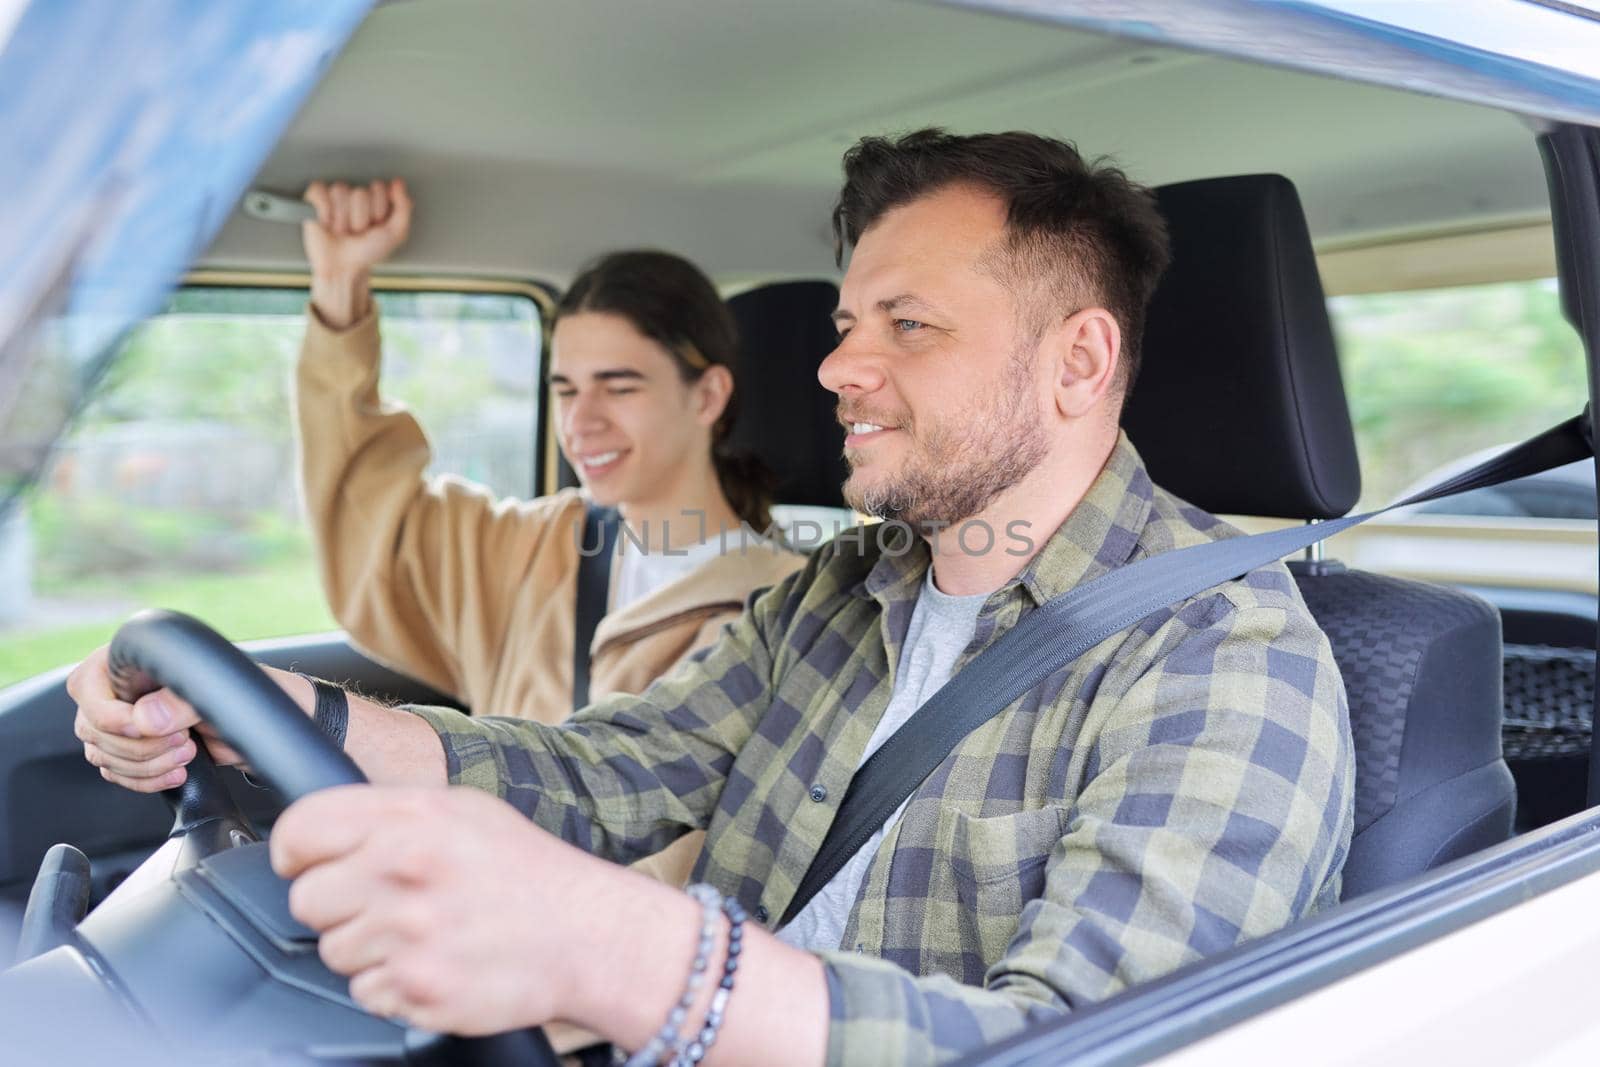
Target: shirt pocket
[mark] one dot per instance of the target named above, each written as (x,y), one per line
(997,863)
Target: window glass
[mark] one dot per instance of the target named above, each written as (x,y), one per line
(176,485)
(1438,379)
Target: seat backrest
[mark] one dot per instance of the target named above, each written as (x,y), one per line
(785,415)
(1422,670)
(1240,409)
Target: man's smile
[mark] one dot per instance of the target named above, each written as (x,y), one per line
(863,433)
(595,464)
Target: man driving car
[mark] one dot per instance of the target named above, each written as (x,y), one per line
(1183,787)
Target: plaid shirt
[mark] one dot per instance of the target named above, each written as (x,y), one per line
(1183,787)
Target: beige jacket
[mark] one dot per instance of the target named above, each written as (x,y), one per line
(470,594)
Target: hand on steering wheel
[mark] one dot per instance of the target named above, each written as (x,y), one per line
(223,688)
(228,692)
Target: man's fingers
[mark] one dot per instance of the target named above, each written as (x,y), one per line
(109,717)
(399,220)
(378,192)
(163,712)
(361,943)
(316,195)
(360,210)
(100,711)
(91,679)
(376,991)
(329,824)
(160,765)
(346,211)
(143,746)
(89,685)
(333,893)
(141,749)
(146,785)
(339,199)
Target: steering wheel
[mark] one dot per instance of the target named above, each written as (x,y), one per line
(219,922)
(157,649)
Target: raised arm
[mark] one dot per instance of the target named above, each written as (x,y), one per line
(421,572)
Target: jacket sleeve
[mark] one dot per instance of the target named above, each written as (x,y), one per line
(1217,809)
(421,572)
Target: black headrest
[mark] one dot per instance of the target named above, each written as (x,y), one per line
(1239,407)
(785,415)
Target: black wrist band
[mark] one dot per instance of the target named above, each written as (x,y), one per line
(332,715)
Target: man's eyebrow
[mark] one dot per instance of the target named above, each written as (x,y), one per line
(613,375)
(899,302)
(904,302)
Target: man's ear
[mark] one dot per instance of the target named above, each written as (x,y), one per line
(1083,352)
(712,390)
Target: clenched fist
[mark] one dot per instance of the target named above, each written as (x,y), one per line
(446,908)
(146,746)
(356,228)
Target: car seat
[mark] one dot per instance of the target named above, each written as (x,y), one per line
(1240,409)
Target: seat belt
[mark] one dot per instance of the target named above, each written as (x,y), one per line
(594,586)
(1066,626)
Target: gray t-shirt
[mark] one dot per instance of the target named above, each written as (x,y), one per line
(941,628)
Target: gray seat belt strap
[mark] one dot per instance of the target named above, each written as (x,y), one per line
(1065,627)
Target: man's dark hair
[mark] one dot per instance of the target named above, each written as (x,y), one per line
(1078,233)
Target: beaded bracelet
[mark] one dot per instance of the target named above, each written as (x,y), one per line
(697,1050)
(666,1039)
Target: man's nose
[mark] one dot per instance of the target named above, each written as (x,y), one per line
(852,367)
(585,412)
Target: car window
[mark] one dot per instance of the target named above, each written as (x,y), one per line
(1439,379)
(176,486)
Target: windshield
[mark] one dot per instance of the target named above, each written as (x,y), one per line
(110,185)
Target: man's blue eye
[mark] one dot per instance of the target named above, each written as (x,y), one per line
(623,391)
(907,325)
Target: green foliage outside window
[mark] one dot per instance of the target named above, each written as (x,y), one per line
(175,487)
(1433,376)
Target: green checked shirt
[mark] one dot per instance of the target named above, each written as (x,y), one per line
(1183,787)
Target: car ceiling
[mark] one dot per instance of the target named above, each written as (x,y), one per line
(535,135)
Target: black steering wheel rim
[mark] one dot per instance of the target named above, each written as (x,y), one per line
(168,649)
(157,649)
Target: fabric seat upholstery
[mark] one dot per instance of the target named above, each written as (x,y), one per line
(785,415)
(1240,409)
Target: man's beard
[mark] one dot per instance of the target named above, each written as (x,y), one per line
(957,467)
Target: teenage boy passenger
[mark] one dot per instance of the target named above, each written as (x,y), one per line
(1183,787)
